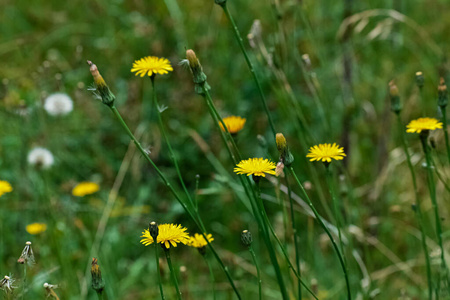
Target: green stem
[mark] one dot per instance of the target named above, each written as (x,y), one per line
(418,209)
(444,122)
(294,232)
(258,273)
(158,272)
(169,146)
(250,65)
(211,274)
(432,190)
(24,287)
(172,273)
(172,190)
(319,219)
(99,295)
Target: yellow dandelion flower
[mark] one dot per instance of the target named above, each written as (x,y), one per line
(234,124)
(423,124)
(151,65)
(326,152)
(256,167)
(85,188)
(36,228)
(198,241)
(5,187)
(169,234)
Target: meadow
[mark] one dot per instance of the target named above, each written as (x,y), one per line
(331,182)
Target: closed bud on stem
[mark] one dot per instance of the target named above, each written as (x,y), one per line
(420,79)
(396,106)
(442,93)
(221,2)
(102,89)
(199,77)
(246,238)
(97,282)
(154,230)
(286,156)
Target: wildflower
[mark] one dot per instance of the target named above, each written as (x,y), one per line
(27,255)
(169,234)
(420,79)
(234,124)
(246,238)
(36,228)
(97,282)
(199,241)
(6,284)
(58,104)
(442,93)
(5,187)
(102,90)
(85,188)
(423,124)
(255,167)
(151,65)
(41,158)
(326,152)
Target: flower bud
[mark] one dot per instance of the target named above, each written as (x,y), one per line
(420,79)
(286,156)
(442,94)
(246,238)
(103,90)
(97,282)
(154,231)
(396,106)
(199,77)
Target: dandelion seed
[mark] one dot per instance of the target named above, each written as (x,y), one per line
(85,188)
(5,187)
(41,158)
(168,234)
(36,228)
(423,124)
(326,152)
(27,255)
(6,284)
(234,124)
(151,65)
(255,167)
(58,104)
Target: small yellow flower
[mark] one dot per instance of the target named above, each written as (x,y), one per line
(423,124)
(36,228)
(256,167)
(234,124)
(326,152)
(198,241)
(5,187)
(151,65)
(169,234)
(85,188)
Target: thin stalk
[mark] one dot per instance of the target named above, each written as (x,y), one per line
(197,179)
(319,219)
(418,209)
(294,232)
(432,190)
(211,274)
(158,272)
(172,273)
(250,66)
(169,146)
(172,190)
(444,122)
(99,295)
(258,273)
(24,286)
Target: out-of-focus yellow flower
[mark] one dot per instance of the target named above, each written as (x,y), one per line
(36,228)
(5,187)
(234,124)
(85,188)
(423,124)
(151,65)
(168,234)
(198,241)
(255,167)
(326,152)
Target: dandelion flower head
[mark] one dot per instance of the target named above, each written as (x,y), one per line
(36,228)
(151,65)
(168,234)
(85,188)
(5,187)
(234,124)
(326,152)
(255,167)
(198,240)
(423,124)
(58,104)
(40,157)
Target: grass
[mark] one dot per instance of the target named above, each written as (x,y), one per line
(342,97)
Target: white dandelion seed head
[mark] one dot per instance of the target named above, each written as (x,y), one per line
(58,104)
(41,157)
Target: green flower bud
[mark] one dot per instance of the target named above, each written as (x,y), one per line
(246,238)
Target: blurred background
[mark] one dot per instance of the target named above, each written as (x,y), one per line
(338,92)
